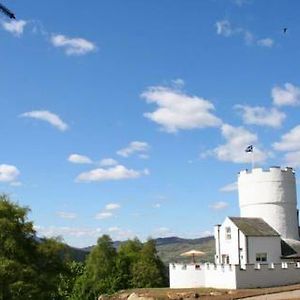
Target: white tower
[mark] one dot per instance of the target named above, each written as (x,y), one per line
(270,195)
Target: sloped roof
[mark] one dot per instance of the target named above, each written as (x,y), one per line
(287,250)
(254,226)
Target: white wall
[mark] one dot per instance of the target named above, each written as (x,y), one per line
(229,246)
(186,276)
(233,277)
(266,277)
(270,245)
(270,195)
(209,275)
(220,276)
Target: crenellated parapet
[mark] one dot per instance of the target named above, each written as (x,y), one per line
(270,194)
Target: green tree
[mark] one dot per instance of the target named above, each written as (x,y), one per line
(148,271)
(29,269)
(128,255)
(68,279)
(100,275)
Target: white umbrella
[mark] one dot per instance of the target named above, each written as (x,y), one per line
(193,253)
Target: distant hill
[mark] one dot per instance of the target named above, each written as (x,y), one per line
(169,249)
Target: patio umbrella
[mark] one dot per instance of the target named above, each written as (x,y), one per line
(193,253)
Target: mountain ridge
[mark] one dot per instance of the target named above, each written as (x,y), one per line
(168,248)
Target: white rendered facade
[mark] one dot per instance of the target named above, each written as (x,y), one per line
(233,276)
(270,195)
(252,256)
(239,249)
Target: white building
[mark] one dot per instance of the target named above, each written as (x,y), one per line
(261,248)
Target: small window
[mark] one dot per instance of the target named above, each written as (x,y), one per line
(261,257)
(225,259)
(227,233)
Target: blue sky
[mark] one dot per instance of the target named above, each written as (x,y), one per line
(131,117)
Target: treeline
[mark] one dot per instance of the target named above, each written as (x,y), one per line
(31,268)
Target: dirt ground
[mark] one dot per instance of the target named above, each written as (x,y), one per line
(201,293)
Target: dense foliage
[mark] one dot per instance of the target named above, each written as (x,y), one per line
(32,268)
(135,265)
(28,269)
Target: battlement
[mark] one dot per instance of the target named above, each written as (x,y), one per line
(233,276)
(272,170)
(230,268)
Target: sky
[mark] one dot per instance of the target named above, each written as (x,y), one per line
(130,118)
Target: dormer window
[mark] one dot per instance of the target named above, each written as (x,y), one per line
(228,233)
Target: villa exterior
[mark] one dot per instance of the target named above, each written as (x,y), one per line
(261,248)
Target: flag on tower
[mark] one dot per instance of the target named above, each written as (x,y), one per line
(249,148)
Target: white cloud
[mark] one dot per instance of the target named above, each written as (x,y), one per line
(67,215)
(259,115)
(219,205)
(47,116)
(104,215)
(157,205)
(113,229)
(225,29)
(266,42)
(179,111)
(162,232)
(178,83)
(65,231)
(229,187)
(289,141)
(16,183)
(73,46)
(8,173)
(108,212)
(134,147)
(206,233)
(15,27)
(293,159)
(107,162)
(237,139)
(118,172)
(240,3)
(79,159)
(112,206)
(289,94)
(120,234)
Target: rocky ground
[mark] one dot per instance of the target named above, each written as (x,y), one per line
(205,294)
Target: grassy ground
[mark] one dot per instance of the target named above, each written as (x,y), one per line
(203,293)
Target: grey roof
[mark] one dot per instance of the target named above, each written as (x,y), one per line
(254,227)
(287,250)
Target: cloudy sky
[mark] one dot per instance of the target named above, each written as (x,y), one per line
(131,117)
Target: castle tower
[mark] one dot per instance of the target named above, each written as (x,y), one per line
(270,195)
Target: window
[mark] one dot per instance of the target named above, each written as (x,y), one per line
(225,259)
(261,257)
(227,233)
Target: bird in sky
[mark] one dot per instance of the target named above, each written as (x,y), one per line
(7,12)
(285,30)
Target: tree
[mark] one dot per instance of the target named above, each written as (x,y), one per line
(149,270)
(67,280)
(29,269)
(128,255)
(100,275)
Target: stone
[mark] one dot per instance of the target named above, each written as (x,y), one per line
(135,296)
